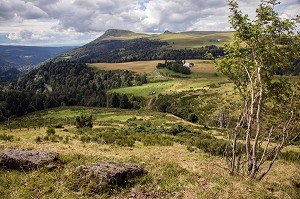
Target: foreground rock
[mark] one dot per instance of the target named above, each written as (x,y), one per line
(22,159)
(106,173)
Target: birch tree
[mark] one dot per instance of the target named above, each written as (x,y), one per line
(268,112)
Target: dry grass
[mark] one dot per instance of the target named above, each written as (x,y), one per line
(174,172)
(138,66)
(201,66)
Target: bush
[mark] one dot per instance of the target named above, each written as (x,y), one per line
(38,139)
(58,126)
(6,137)
(291,156)
(50,131)
(84,121)
(192,117)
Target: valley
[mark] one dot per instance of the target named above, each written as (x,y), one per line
(15,60)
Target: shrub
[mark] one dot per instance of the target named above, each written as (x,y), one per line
(38,139)
(50,131)
(192,117)
(84,121)
(291,156)
(58,126)
(6,137)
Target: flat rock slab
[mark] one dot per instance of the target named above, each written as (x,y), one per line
(23,159)
(109,173)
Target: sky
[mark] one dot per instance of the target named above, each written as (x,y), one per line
(76,22)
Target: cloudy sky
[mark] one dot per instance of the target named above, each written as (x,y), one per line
(76,22)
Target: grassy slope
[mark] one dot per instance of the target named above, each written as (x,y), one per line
(128,36)
(182,40)
(174,172)
(202,77)
(139,66)
(185,40)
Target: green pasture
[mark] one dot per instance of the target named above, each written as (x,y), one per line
(185,40)
(146,89)
(127,36)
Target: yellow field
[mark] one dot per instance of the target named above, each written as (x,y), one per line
(201,66)
(138,66)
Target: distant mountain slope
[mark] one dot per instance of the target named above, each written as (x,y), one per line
(14,59)
(195,39)
(26,56)
(123,45)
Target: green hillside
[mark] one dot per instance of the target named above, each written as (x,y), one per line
(195,39)
(123,46)
(183,160)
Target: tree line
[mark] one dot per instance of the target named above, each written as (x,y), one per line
(142,49)
(176,66)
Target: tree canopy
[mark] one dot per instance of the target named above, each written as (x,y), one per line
(268,114)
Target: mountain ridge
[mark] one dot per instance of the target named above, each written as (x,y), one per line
(117,45)
(16,59)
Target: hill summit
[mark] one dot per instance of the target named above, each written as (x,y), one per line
(116,33)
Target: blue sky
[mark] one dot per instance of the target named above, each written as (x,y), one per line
(76,22)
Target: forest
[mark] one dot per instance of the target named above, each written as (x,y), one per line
(67,83)
(136,50)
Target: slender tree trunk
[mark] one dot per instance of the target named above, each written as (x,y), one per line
(233,161)
(258,122)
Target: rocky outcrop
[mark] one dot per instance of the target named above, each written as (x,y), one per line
(106,173)
(23,159)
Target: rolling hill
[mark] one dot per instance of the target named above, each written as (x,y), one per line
(15,59)
(123,46)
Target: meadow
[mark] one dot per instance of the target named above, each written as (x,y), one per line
(138,67)
(196,40)
(188,40)
(161,142)
(204,76)
(183,159)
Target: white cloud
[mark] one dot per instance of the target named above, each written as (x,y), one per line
(20,35)
(68,21)
(9,9)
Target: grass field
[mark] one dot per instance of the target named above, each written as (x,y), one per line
(138,66)
(146,89)
(201,66)
(185,40)
(128,36)
(173,170)
(203,76)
